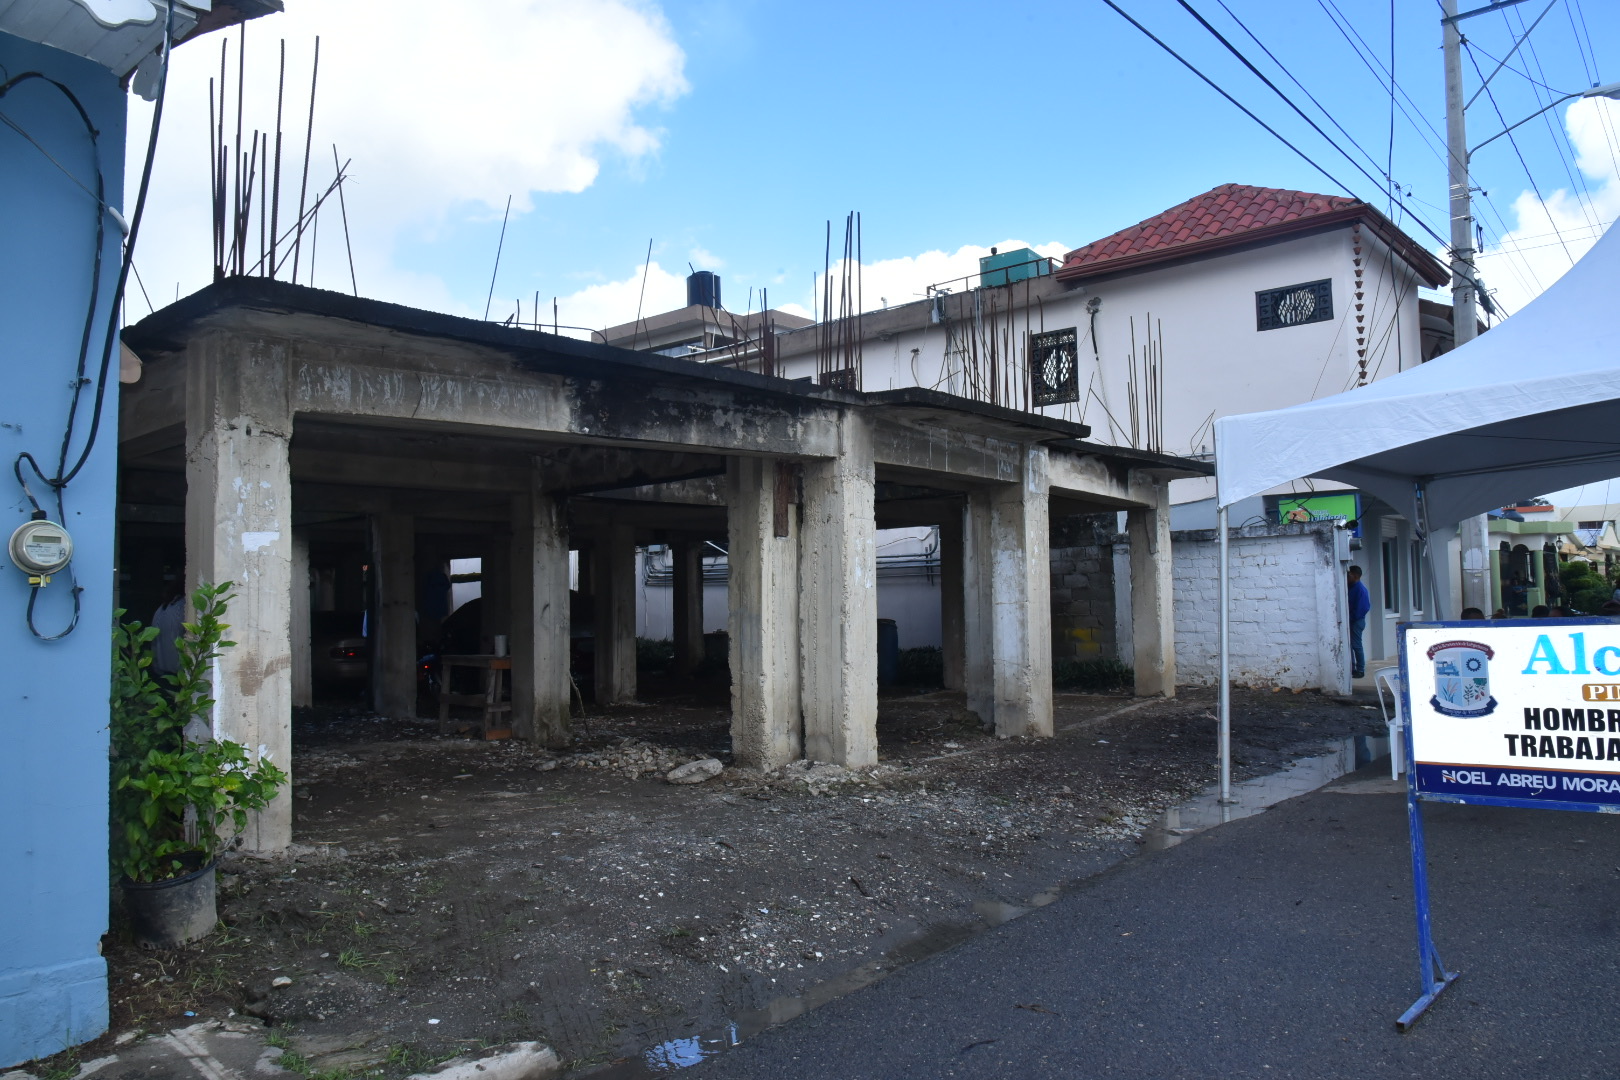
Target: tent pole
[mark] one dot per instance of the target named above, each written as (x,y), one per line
(1225,648)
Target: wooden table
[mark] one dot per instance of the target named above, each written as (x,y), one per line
(496,719)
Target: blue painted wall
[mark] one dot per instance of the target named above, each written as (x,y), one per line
(53,697)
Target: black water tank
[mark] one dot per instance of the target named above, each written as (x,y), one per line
(703,287)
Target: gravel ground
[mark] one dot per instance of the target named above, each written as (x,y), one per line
(446,893)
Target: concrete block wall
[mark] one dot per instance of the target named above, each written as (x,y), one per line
(1082,557)
(1287,614)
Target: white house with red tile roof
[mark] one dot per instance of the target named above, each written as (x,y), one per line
(1242,298)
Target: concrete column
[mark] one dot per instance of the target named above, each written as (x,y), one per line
(303,690)
(539,598)
(952,600)
(763,620)
(495,591)
(838,602)
(688,615)
(978,606)
(393,639)
(239,529)
(1008,609)
(1021,595)
(614,566)
(1153,624)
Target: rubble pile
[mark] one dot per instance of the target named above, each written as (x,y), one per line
(631,758)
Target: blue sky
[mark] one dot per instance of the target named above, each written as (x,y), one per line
(730,131)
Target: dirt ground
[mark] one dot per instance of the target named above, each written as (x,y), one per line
(445,893)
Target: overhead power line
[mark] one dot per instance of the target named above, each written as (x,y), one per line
(1535,187)
(1284,69)
(1244,60)
(1342,186)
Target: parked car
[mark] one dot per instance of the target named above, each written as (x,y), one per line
(342,655)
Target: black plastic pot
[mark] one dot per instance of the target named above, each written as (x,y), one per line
(167,914)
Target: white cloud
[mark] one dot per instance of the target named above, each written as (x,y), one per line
(614,302)
(704,259)
(1531,256)
(904,279)
(441,106)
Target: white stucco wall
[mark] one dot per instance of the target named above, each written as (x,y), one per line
(1288,603)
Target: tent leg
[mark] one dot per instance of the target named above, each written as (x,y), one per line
(1225,649)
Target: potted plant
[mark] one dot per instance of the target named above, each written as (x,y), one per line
(179,798)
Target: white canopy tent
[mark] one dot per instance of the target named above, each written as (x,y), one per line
(1532,406)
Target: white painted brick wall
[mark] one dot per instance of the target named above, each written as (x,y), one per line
(1287,620)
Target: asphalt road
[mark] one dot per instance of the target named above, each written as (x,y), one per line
(1277,946)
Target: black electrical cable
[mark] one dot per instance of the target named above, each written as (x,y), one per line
(1274,132)
(1284,68)
(100,244)
(1490,95)
(1244,60)
(63,474)
(123,271)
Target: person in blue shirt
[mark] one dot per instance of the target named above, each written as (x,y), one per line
(1360,605)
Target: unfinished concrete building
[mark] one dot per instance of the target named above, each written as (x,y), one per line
(277,434)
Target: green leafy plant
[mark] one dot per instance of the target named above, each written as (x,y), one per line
(1094,675)
(177,801)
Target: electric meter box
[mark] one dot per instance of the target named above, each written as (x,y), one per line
(41,547)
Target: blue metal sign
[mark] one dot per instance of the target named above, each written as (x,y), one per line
(1514,712)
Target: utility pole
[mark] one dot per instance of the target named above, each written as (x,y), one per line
(1474,532)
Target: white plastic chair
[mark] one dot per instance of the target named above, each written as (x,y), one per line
(1390,678)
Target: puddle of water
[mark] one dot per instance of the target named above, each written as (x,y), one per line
(1176,824)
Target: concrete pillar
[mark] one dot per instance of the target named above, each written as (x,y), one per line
(495,586)
(539,634)
(614,622)
(303,689)
(239,529)
(687,556)
(1153,625)
(1008,604)
(1021,592)
(978,556)
(763,620)
(393,639)
(838,602)
(952,600)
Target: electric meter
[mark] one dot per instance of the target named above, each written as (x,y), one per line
(41,548)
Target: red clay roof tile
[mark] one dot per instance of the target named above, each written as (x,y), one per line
(1224,211)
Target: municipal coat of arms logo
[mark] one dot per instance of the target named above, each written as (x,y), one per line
(1462,679)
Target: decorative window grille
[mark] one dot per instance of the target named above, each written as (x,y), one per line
(1054,373)
(1294,305)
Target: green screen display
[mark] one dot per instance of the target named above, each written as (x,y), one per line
(1321,507)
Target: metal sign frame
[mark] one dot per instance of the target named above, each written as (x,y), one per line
(1433,974)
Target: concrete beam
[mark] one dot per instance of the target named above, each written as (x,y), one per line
(239,529)
(1098,482)
(491,396)
(763,621)
(838,602)
(391,471)
(1153,625)
(944,451)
